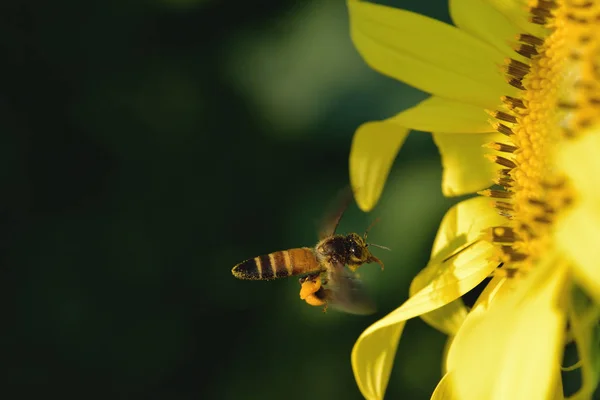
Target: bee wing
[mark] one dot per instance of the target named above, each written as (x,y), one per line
(346,292)
(331,220)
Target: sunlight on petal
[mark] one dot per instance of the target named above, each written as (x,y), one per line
(466,170)
(454,277)
(558,388)
(447,347)
(579,160)
(448,318)
(437,58)
(443,390)
(374,148)
(577,231)
(582,317)
(438,114)
(577,235)
(462,225)
(482,20)
(515,351)
(373,358)
(492,289)
(516,12)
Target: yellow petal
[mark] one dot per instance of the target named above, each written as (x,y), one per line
(374,148)
(578,229)
(455,277)
(373,358)
(583,317)
(452,278)
(445,354)
(436,114)
(558,389)
(514,351)
(425,53)
(517,12)
(444,280)
(448,318)
(492,289)
(482,304)
(463,224)
(443,390)
(577,235)
(466,170)
(483,21)
(579,159)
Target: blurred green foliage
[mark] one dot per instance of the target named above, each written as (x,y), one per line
(150,146)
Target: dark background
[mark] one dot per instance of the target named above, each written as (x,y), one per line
(147,147)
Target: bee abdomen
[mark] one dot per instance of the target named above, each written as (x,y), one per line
(280,264)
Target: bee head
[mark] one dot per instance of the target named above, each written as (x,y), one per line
(358,252)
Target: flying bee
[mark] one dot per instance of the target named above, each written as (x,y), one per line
(324,280)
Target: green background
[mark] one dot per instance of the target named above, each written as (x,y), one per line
(147,148)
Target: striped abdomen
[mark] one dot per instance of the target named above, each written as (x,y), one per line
(280,264)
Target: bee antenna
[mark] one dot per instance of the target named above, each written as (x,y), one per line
(379,246)
(370,226)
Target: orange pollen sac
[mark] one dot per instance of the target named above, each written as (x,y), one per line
(557,74)
(309,288)
(314,300)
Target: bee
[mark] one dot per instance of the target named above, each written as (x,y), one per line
(326,270)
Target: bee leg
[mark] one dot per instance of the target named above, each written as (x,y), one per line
(325,308)
(311,277)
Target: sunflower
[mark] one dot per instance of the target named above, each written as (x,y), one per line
(515,113)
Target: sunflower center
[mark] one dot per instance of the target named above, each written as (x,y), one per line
(558,78)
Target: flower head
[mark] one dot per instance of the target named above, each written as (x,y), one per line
(515,113)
